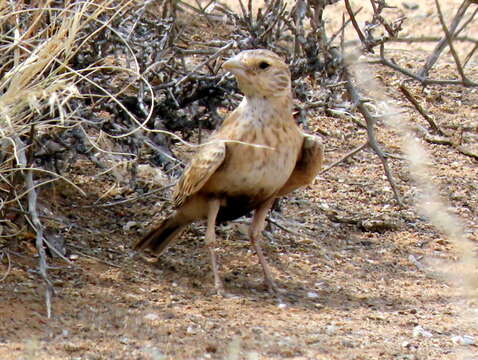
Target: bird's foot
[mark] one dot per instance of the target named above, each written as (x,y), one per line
(272,287)
(220,290)
(223,293)
(219,287)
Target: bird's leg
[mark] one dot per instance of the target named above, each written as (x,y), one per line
(214,206)
(257,226)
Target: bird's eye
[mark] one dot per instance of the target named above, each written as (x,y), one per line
(264,65)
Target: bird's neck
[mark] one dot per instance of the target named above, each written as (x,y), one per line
(265,111)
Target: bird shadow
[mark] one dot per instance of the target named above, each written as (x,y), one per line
(187,265)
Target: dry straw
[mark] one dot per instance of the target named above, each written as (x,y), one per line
(36,87)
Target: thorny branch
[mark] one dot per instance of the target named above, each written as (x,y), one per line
(356,99)
(372,141)
(450,35)
(432,59)
(369,43)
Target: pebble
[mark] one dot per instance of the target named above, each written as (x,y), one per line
(129,225)
(154,353)
(151,316)
(463,340)
(419,331)
(312,295)
(330,329)
(410,5)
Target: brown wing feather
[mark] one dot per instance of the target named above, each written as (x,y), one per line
(202,166)
(308,164)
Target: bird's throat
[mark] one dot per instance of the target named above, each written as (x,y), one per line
(266,111)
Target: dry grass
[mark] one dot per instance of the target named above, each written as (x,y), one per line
(39,83)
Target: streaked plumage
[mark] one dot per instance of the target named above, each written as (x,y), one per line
(257,154)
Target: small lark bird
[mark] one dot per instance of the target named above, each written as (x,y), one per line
(257,155)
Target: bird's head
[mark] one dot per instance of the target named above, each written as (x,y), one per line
(260,73)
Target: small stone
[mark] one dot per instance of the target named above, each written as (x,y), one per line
(348,343)
(410,5)
(129,225)
(330,329)
(463,340)
(151,316)
(380,225)
(124,340)
(313,339)
(210,348)
(405,357)
(419,331)
(155,353)
(312,295)
(74,257)
(252,356)
(281,305)
(73,347)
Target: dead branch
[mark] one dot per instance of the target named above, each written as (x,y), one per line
(135,198)
(420,39)
(103,261)
(372,141)
(214,56)
(36,224)
(359,32)
(467,152)
(420,109)
(470,54)
(451,34)
(425,81)
(5,253)
(423,73)
(449,40)
(358,102)
(345,157)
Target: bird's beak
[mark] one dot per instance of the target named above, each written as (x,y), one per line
(233,65)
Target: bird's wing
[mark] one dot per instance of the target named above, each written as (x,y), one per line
(308,164)
(202,166)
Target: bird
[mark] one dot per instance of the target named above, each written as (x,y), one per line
(258,154)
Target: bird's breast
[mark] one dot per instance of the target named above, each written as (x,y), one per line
(259,160)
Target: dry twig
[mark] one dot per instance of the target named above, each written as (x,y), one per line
(420,109)
(444,41)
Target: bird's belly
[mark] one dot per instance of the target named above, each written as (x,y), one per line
(253,172)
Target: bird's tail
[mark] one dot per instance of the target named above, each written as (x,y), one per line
(161,236)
